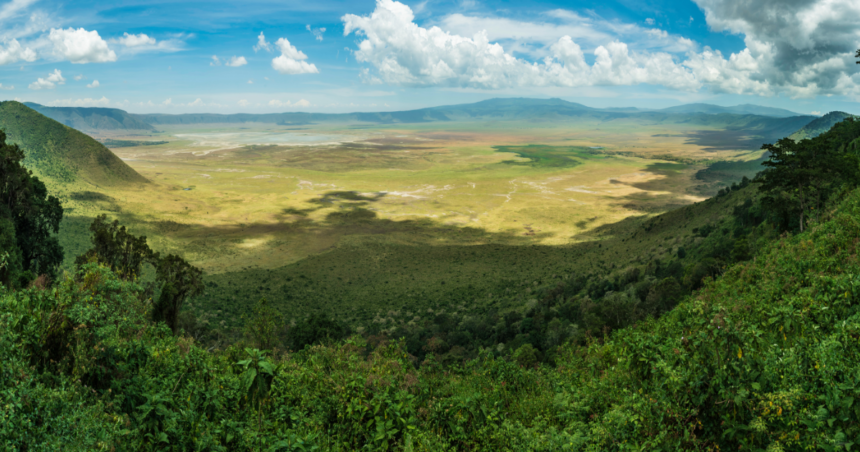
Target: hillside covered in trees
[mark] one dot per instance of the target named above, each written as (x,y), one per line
(746,339)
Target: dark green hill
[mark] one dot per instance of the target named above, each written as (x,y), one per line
(84,118)
(61,153)
(820,125)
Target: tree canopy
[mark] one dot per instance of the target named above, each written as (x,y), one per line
(124,253)
(801,176)
(29,218)
(115,247)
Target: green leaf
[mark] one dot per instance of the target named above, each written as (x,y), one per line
(248,378)
(267,367)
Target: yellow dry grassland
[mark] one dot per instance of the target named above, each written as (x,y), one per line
(260,195)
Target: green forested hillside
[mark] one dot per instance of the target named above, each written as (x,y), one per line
(763,358)
(820,125)
(731,324)
(60,153)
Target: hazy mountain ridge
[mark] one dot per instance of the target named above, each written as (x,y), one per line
(763,124)
(491,109)
(745,109)
(92,118)
(60,152)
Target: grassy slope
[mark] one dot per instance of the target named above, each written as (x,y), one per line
(61,153)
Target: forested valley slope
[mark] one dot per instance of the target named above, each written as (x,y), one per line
(743,335)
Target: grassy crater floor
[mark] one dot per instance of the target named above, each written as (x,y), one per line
(358,221)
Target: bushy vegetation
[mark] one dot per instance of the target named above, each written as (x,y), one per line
(763,357)
(111,143)
(548,156)
(747,340)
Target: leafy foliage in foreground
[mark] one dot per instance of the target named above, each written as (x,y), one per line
(764,358)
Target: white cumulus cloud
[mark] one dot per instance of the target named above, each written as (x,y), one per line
(262,44)
(94,84)
(317,32)
(292,60)
(52,80)
(236,61)
(135,40)
(301,103)
(143,43)
(7,87)
(87,102)
(11,51)
(81,46)
(802,48)
(404,53)
(215,61)
(243,103)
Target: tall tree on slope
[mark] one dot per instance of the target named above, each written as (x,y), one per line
(35,217)
(800,176)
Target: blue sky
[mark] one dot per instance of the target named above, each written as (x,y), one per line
(338,56)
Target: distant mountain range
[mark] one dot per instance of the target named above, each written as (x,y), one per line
(492,109)
(765,123)
(88,119)
(57,151)
(745,109)
(94,119)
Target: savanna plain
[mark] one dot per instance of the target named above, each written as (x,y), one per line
(388,208)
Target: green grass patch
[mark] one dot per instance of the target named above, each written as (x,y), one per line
(541,156)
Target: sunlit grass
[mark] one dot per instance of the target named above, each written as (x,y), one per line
(227,205)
